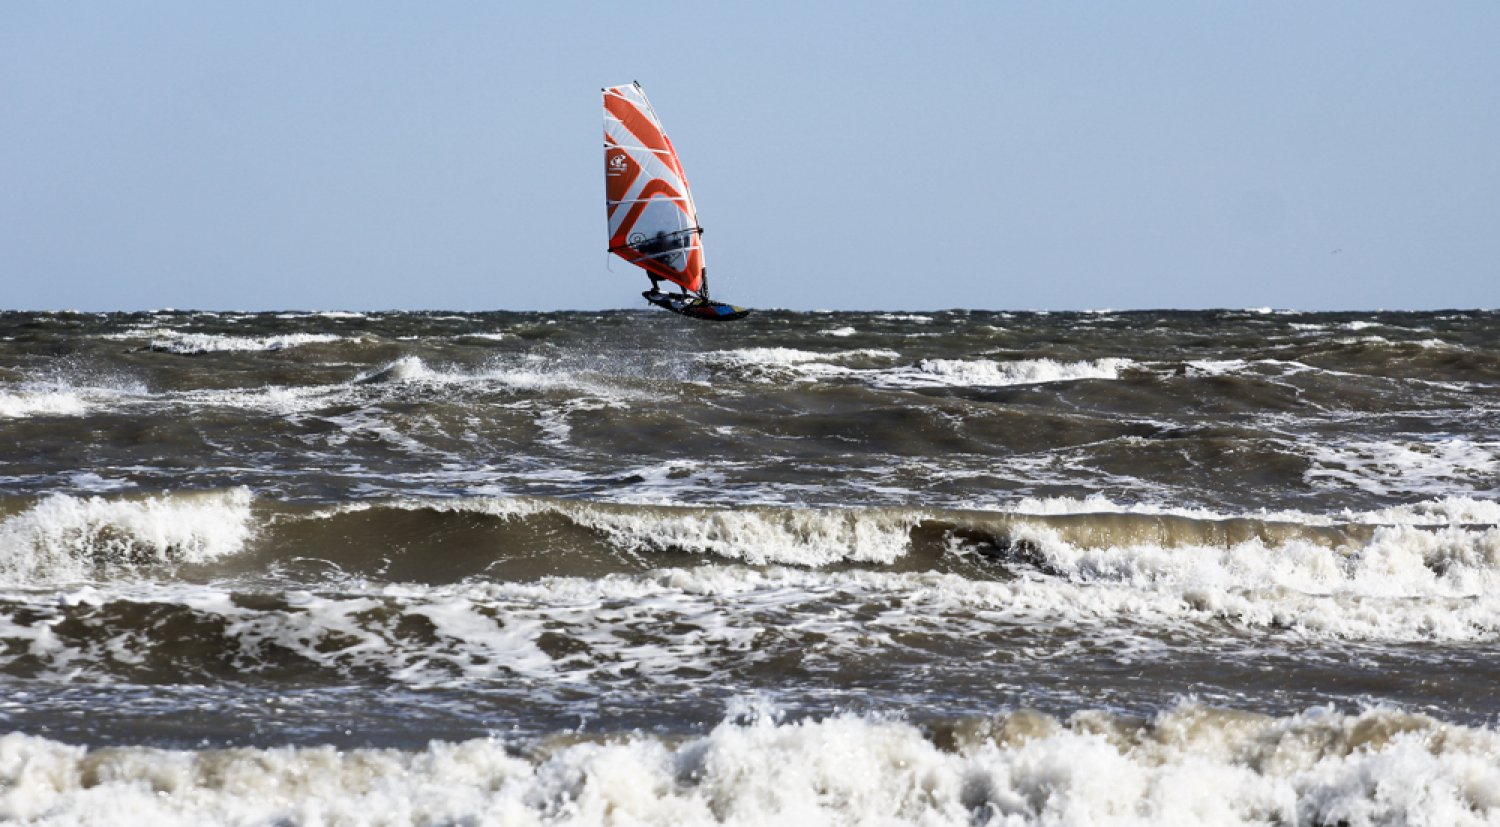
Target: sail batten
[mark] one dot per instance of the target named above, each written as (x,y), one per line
(639,201)
(653,223)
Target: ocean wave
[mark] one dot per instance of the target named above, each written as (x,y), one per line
(756,535)
(1413,581)
(324,314)
(396,378)
(1331,580)
(1447,510)
(1452,510)
(404,369)
(805,536)
(62,538)
(18,404)
(1404,585)
(691,626)
(172,341)
(784,534)
(990,373)
(1407,467)
(784,357)
(530,374)
(874,367)
(437,602)
(66,396)
(1187,765)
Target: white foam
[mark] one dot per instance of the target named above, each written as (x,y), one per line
(469,642)
(778,364)
(66,538)
(1262,366)
(809,538)
(174,341)
(1190,765)
(1092,504)
(987,372)
(325,314)
(96,484)
(673,482)
(1407,584)
(533,374)
(785,356)
(1454,511)
(42,403)
(273,398)
(65,396)
(1449,510)
(1404,467)
(1216,367)
(404,369)
(804,537)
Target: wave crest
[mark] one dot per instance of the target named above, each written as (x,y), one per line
(67,538)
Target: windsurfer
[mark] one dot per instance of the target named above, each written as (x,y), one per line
(652,221)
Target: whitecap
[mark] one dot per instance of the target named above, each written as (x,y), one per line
(1190,764)
(18,404)
(67,538)
(990,373)
(172,341)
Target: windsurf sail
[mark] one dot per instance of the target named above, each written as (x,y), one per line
(652,221)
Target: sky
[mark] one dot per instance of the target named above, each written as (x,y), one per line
(878,155)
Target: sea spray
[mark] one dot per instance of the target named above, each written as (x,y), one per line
(64,538)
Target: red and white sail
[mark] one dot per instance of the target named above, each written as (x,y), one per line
(652,221)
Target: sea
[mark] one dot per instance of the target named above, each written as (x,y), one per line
(960,567)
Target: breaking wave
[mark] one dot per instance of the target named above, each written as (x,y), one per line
(532,594)
(62,538)
(879,368)
(44,403)
(71,397)
(987,372)
(171,341)
(1188,765)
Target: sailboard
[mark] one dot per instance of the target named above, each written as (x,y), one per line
(653,223)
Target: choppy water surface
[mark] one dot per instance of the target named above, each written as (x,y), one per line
(956,567)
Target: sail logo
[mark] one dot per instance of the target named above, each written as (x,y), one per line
(616,165)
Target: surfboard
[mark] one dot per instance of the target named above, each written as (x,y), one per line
(695,307)
(653,223)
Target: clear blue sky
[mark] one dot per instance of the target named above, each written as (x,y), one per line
(1002,155)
